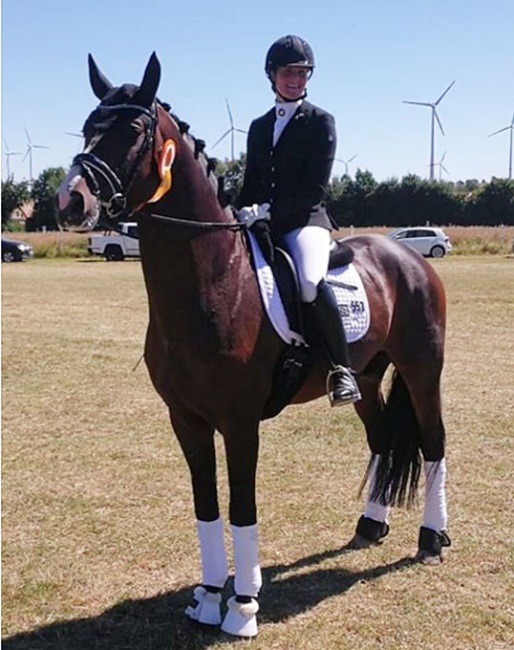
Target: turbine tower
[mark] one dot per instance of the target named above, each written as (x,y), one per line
(8,153)
(435,117)
(230,131)
(511,129)
(30,147)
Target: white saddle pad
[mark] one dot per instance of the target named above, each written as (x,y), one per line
(348,289)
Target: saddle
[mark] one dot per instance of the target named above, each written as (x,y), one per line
(296,360)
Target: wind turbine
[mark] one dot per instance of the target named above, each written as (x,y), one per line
(511,129)
(435,117)
(346,162)
(441,166)
(232,131)
(30,146)
(8,153)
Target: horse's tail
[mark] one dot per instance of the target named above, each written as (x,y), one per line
(397,472)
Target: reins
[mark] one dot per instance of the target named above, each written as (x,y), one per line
(196,225)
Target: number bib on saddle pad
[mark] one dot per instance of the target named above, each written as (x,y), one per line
(347,286)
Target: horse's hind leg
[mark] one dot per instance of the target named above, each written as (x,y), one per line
(196,438)
(373,525)
(423,382)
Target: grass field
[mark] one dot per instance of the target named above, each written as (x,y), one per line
(99,544)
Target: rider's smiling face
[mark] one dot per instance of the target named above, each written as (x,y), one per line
(290,81)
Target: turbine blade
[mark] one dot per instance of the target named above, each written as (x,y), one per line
(437,102)
(439,121)
(39,146)
(443,167)
(229,113)
(507,128)
(353,158)
(512,123)
(222,137)
(27,134)
(5,145)
(418,103)
(241,131)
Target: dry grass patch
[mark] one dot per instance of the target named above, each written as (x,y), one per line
(99,546)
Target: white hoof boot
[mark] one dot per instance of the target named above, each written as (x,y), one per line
(241,619)
(207,607)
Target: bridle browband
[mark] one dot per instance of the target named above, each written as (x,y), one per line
(116,205)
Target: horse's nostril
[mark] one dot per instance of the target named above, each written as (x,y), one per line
(76,203)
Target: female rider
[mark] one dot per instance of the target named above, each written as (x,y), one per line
(290,152)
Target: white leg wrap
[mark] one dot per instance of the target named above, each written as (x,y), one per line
(248,578)
(241,619)
(374,509)
(435,515)
(212,548)
(207,607)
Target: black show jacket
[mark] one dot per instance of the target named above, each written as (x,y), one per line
(292,176)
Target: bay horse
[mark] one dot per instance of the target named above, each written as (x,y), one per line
(212,352)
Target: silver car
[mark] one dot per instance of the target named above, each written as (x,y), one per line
(430,242)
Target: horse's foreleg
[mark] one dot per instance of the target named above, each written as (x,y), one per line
(196,438)
(242,452)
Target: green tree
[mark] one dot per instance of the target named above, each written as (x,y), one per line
(493,204)
(230,175)
(14,195)
(43,193)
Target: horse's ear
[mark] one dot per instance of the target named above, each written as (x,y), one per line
(99,83)
(151,78)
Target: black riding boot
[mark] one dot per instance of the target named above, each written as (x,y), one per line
(341,385)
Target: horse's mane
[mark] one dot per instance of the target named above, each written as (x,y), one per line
(197,146)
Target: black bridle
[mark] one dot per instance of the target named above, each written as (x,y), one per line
(93,167)
(115,206)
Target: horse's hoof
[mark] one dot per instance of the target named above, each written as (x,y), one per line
(425,557)
(358,542)
(369,533)
(206,607)
(241,619)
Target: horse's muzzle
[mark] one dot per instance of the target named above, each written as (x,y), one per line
(78,208)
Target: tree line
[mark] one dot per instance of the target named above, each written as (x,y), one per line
(411,201)
(359,201)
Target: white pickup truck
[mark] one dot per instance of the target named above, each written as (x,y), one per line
(116,246)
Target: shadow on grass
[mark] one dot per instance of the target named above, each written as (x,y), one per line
(159,623)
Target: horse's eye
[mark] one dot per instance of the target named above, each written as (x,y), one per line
(138,126)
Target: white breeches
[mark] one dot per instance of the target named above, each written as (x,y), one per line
(310,249)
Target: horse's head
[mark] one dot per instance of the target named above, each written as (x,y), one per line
(126,161)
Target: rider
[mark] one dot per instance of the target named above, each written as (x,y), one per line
(290,152)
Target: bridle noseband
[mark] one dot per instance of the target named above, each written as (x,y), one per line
(94,167)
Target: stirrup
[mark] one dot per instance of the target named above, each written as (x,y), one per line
(339,395)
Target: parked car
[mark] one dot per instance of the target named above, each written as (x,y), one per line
(116,246)
(15,251)
(430,242)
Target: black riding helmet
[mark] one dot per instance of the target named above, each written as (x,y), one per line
(289,50)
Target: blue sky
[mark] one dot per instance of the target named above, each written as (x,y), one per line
(370,54)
